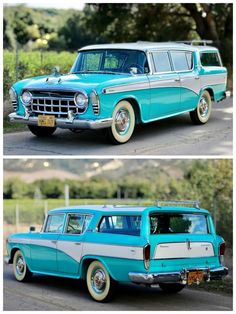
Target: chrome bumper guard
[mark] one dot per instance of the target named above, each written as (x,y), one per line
(177,277)
(227,94)
(64,123)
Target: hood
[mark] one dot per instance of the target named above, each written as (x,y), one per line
(86,81)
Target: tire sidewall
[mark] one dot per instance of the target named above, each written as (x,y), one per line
(17,276)
(98,296)
(123,138)
(207,96)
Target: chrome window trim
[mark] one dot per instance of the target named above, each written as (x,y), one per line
(46,220)
(183,71)
(170,61)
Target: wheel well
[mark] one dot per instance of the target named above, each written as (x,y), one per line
(210,91)
(13,251)
(85,266)
(136,108)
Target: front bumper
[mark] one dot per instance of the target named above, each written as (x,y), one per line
(68,123)
(177,277)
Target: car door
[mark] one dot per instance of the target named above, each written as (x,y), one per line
(164,86)
(185,64)
(43,249)
(70,243)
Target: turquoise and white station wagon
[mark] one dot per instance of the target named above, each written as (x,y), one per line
(171,245)
(116,86)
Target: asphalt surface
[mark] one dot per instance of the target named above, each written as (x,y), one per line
(51,293)
(172,136)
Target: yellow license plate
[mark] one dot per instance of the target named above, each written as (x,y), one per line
(48,121)
(195,276)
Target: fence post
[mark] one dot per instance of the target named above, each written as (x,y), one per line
(17,217)
(67,195)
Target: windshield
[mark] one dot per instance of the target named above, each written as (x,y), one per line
(111,61)
(178,223)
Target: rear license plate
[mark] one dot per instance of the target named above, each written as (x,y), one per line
(195,276)
(48,121)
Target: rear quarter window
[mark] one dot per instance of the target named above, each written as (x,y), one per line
(120,224)
(210,59)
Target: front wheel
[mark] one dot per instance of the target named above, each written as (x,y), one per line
(123,123)
(100,284)
(41,131)
(203,111)
(171,287)
(21,271)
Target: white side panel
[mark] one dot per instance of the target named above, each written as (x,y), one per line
(183,250)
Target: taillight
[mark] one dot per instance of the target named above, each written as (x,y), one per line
(222,251)
(146,255)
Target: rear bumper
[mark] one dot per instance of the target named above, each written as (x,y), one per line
(227,94)
(177,277)
(69,123)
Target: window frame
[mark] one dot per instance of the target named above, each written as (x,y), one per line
(184,51)
(209,231)
(118,214)
(211,66)
(153,62)
(46,221)
(67,221)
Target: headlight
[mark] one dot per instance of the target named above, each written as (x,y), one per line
(81,100)
(12,94)
(95,102)
(26,97)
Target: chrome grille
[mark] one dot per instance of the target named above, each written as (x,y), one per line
(53,103)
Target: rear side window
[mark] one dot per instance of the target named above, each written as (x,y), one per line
(120,224)
(178,223)
(161,62)
(210,59)
(182,60)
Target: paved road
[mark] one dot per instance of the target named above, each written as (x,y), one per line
(173,136)
(50,293)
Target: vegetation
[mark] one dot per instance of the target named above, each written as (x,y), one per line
(210,181)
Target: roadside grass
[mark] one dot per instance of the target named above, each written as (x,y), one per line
(223,287)
(9,127)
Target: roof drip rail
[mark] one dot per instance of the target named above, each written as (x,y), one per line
(202,42)
(195,203)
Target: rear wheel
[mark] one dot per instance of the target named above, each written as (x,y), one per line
(21,271)
(203,111)
(100,284)
(171,287)
(41,131)
(123,123)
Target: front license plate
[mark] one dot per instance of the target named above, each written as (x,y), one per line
(195,276)
(48,121)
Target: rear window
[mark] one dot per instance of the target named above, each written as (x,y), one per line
(120,224)
(178,223)
(210,59)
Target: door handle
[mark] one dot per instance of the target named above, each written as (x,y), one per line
(77,243)
(177,80)
(197,77)
(54,241)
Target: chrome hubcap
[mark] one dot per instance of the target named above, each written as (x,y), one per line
(203,107)
(98,280)
(20,265)
(122,121)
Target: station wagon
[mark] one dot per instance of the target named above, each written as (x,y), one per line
(116,86)
(171,244)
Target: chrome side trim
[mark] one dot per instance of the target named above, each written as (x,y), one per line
(126,88)
(65,123)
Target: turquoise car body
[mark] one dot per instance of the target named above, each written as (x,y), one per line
(68,255)
(153,95)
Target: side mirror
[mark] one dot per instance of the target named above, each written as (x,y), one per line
(32,229)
